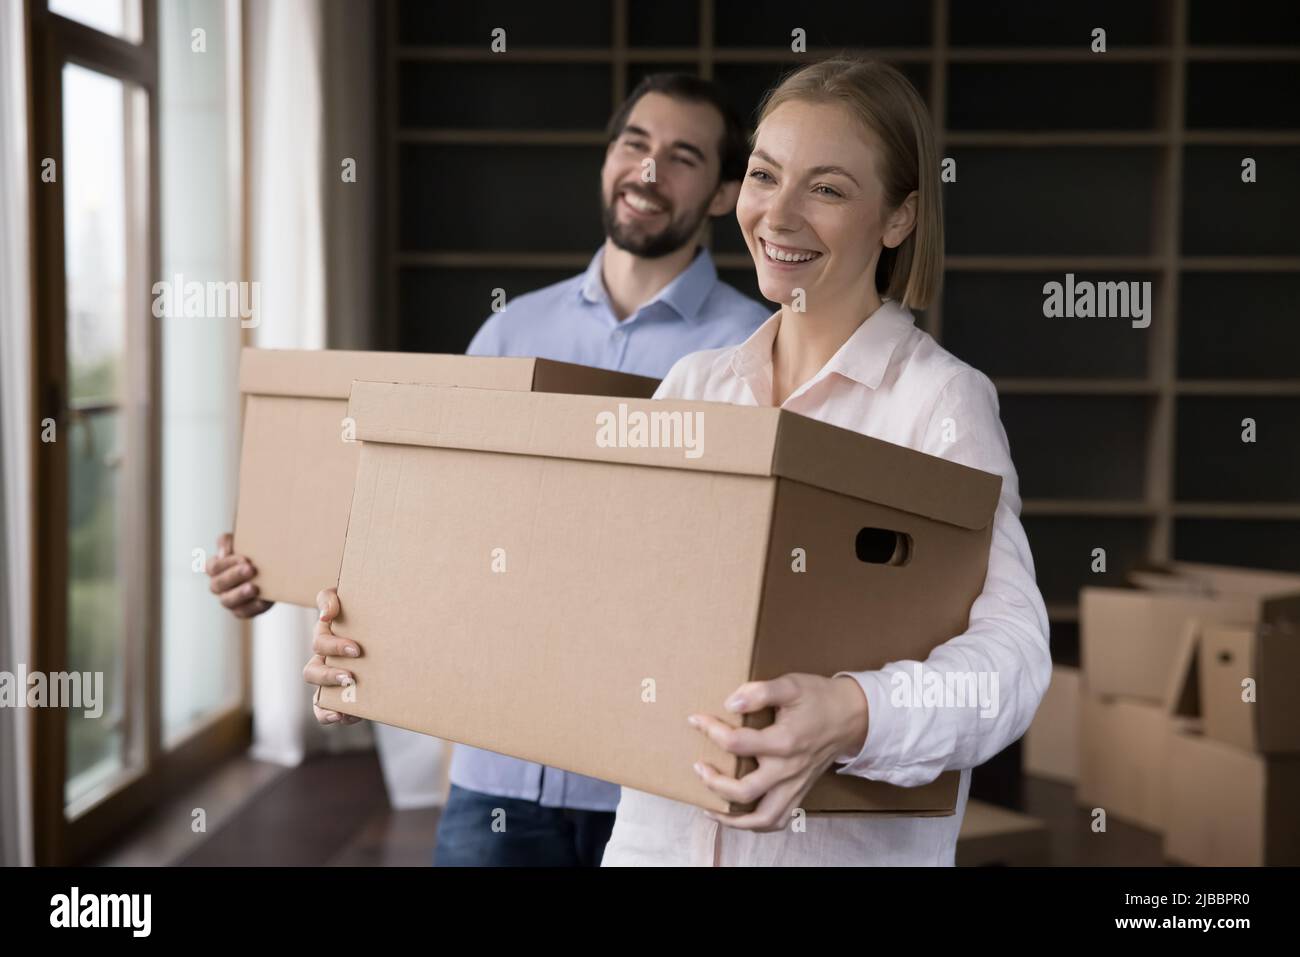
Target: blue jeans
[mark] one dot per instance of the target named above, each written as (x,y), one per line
(482,830)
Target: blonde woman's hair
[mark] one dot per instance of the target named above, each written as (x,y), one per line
(887,104)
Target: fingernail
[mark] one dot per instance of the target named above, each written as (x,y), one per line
(247,591)
(693,721)
(330,719)
(699,768)
(735,704)
(344,679)
(352,650)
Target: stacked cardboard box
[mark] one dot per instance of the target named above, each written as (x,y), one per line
(1187,724)
(1234,781)
(1052,741)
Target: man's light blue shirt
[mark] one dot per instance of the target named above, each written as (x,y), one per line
(572,321)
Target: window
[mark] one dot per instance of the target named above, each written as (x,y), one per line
(104,263)
(140,132)
(119,18)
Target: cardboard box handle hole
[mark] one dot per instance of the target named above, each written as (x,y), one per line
(882,546)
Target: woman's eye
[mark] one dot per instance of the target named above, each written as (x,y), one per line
(760,175)
(829,190)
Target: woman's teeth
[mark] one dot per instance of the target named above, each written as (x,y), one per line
(642,205)
(780,255)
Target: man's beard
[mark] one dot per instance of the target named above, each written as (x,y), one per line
(633,239)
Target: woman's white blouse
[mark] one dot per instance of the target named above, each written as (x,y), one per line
(892,381)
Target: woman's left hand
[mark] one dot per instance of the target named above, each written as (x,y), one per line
(817,720)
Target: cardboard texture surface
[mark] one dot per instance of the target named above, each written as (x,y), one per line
(1241,681)
(1130,638)
(1202,578)
(1239,678)
(1231,808)
(296,471)
(1123,750)
(519,586)
(1052,741)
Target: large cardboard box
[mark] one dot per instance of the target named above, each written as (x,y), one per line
(1237,677)
(1230,808)
(299,455)
(1123,747)
(1052,741)
(1241,680)
(993,836)
(1130,638)
(528,574)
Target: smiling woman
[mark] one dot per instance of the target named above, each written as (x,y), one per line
(886,182)
(840,209)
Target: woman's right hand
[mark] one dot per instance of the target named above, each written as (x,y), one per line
(325,642)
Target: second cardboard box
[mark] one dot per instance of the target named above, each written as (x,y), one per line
(299,453)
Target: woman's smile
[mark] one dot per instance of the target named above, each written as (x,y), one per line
(787,257)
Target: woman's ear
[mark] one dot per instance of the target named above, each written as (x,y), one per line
(901,222)
(724,200)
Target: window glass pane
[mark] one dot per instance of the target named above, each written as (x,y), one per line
(96,240)
(121,18)
(200,368)
(95,613)
(94,183)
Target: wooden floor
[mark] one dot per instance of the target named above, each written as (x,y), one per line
(1073,841)
(332,811)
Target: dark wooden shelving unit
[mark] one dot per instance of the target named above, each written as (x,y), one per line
(1116,166)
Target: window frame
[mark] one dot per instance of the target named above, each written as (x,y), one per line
(64,834)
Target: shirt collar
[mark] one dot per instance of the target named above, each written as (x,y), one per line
(685,294)
(863,358)
(592,286)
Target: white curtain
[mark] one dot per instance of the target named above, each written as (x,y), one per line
(312,102)
(15,435)
(285,76)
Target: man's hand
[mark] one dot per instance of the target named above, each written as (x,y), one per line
(231,579)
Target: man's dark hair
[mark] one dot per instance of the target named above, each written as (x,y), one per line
(734,148)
